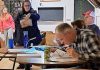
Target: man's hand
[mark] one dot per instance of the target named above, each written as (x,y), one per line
(53,49)
(57,42)
(71,52)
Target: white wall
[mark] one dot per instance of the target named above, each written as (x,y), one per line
(68,16)
(69,13)
(68,6)
(48,27)
(97,16)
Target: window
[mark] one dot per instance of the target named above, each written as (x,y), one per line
(51,13)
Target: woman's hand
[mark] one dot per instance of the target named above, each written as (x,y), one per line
(27,16)
(2,32)
(13,30)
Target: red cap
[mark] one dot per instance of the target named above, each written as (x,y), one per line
(88,13)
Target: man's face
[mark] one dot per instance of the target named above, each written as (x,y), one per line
(27,6)
(89,20)
(66,38)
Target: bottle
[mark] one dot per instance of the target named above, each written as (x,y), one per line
(25,40)
(10,42)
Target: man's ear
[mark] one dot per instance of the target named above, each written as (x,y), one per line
(70,31)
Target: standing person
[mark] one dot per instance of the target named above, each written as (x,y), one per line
(89,18)
(26,20)
(7,25)
(80,43)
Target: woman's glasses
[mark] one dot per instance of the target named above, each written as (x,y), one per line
(26,5)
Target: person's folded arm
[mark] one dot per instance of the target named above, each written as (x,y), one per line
(35,16)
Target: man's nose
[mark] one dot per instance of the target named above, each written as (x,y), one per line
(62,43)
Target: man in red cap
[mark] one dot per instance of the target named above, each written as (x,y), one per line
(89,18)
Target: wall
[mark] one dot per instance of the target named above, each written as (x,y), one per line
(48,27)
(68,6)
(68,13)
(97,14)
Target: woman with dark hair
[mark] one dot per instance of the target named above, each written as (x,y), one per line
(26,20)
(78,24)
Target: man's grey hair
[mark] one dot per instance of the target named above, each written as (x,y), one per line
(62,28)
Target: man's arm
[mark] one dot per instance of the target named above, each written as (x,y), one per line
(92,46)
(72,53)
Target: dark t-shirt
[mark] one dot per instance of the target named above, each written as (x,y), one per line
(95,29)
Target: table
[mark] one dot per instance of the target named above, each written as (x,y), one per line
(8,56)
(39,61)
(42,63)
(66,69)
(3,50)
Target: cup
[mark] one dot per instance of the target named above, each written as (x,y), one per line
(25,39)
(11,45)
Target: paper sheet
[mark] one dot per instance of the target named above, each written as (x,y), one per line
(58,53)
(30,55)
(63,59)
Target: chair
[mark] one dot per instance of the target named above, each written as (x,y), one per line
(48,38)
(6,55)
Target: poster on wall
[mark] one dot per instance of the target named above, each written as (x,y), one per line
(49,0)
